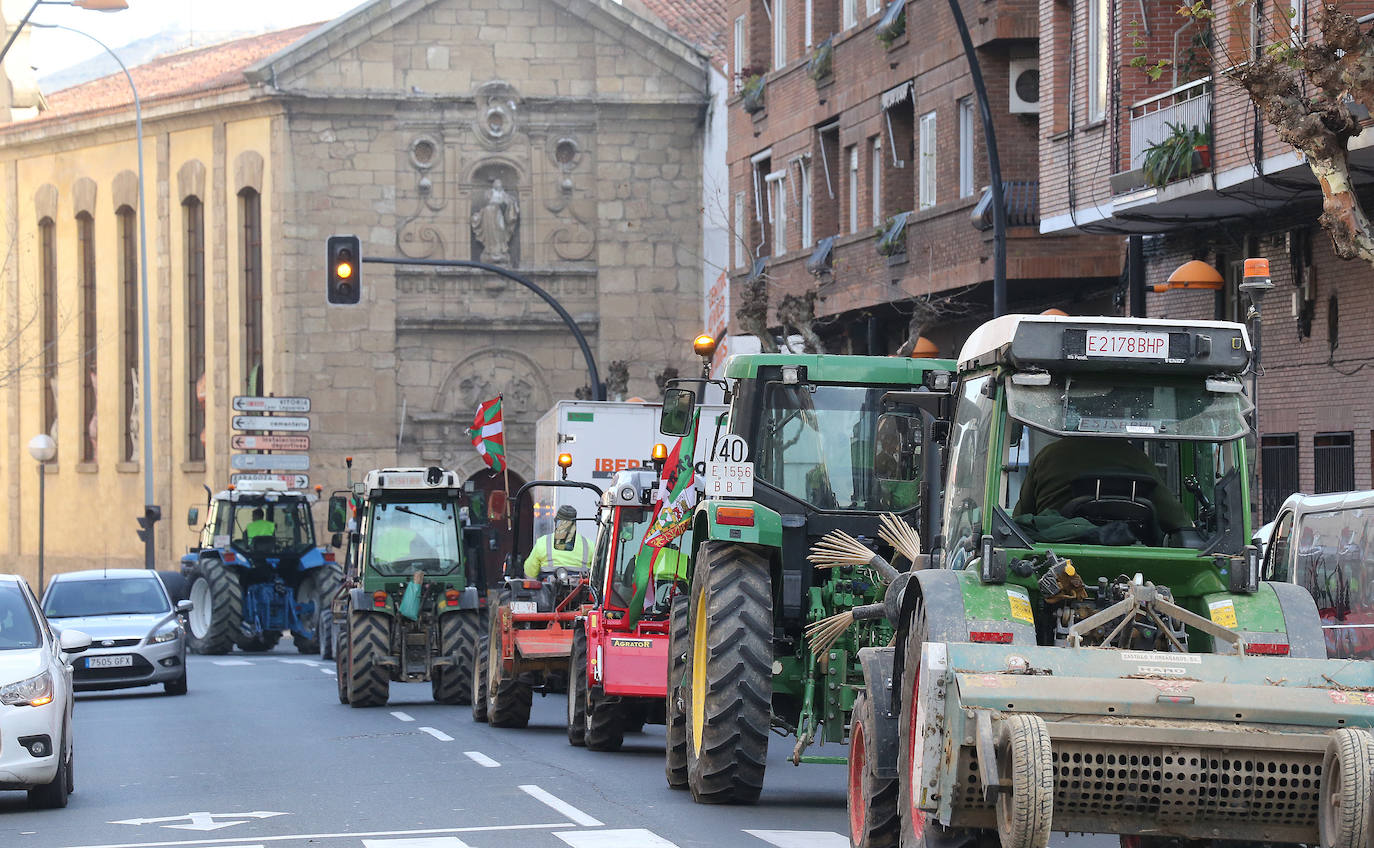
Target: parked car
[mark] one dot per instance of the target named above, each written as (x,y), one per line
(137,635)
(1325,543)
(36,751)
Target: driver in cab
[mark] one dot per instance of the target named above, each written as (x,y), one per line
(563,547)
(1055,467)
(400,537)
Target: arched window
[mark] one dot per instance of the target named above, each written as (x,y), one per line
(126,227)
(193,216)
(250,221)
(85,264)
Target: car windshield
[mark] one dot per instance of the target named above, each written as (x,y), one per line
(272,527)
(18,629)
(114,596)
(413,536)
(1124,407)
(835,448)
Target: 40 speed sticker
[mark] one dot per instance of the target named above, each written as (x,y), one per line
(1223,612)
(1020,604)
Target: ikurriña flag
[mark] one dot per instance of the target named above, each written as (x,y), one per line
(487,434)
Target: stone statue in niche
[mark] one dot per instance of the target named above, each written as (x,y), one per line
(494,223)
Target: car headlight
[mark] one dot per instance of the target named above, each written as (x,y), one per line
(34,692)
(166,633)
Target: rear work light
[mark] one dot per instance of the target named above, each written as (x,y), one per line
(452,597)
(736,516)
(228,556)
(379,599)
(328,556)
(1266,649)
(990,637)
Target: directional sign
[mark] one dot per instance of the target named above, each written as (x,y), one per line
(294,481)
(247,403)
(202,820)
(270,462)
(266,422)
(286,443)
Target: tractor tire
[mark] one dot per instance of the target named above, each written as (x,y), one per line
(872,800)
(458,635)
(369,641)
(577,688)
(261,643)
(1344,804)
(729,675)
(1023,754)
(319,586)
(479,682)
(217,616)
(675,711)
(508,700)
(605,723)
(635,717)
(341,671)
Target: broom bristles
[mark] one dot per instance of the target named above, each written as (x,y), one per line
(838,549)
(822,634)
(901,536)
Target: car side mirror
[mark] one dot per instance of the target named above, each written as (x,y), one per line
(676,418)
(73,641)
(184,607)
(193,516)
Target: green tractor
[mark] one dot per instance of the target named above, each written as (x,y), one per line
(1095,648)
(410,611)
(815,443)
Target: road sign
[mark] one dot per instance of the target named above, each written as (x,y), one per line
(270,461)
(266,422)
(285,443)
(248,403)
(294,481)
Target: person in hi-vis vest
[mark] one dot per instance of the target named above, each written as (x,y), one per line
(564,546)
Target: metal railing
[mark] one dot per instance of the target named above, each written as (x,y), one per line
(1189,105)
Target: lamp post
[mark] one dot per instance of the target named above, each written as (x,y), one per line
(151,513)
(1256,284)
(42,448)
(88,5)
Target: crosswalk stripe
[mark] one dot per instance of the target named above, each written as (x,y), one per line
(634,838)
(560,805)
(421,842)
(231,662)
(801,838)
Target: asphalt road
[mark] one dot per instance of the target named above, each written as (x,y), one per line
(261,754)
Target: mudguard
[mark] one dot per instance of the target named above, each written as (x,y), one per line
(469,599)
(313,558)
(877,664)
(943,596)
(1305,637)
(360,599)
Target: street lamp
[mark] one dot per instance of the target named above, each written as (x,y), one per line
(42,448)
(1256,284)
(151,513)
(88,5)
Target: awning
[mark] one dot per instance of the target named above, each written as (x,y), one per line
(893,96)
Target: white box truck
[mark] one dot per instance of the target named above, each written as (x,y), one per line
(603,437)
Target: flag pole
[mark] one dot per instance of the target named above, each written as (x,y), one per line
(505,469)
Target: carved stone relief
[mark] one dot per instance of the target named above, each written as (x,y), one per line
(573,237)
(497,110)
(420,235)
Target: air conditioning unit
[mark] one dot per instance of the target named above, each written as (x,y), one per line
(1025,86)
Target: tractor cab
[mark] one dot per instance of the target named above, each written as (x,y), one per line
(260,520)
(626,511)
(410,522)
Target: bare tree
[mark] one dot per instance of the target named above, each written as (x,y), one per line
(930,310)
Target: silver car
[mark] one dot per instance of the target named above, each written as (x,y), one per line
(137,635)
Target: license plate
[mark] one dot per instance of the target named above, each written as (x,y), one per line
(120,661)
(521,607)
(730,479)
(1129,345)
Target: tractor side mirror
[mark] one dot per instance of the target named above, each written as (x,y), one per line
(193,516)
(336,541)
(338,514)
(676,418)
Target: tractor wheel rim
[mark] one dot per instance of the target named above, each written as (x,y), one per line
(858,756)
(200,617)
(915,752)
(697,693)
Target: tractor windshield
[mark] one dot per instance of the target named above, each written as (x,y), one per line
(633,522)
(411,536)
(835,448)
(272,528)
(1122,407)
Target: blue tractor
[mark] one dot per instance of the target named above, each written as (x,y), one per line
(257,572)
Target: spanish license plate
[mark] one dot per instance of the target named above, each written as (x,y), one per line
(118,661)
(521,607)
(730,479)
(1128,344)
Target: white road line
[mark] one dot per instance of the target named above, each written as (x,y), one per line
(256,841)
(402,716)
(437,734)
(328,671)
(801,838)
(231,662)
(481,759)
(560,805)
(636,838)
(419,842)
(301,662)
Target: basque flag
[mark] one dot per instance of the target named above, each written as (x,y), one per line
(486,435)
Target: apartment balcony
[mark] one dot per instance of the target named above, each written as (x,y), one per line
(1153,119)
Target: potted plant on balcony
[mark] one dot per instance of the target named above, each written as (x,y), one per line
(1170,158)
(819,66)
(891,238)
(893,23)
(751,89)
(1202,148)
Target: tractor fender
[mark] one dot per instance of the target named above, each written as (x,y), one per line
(943,597)
(313,558)
(361,600)
(1303,622)
(469,599)
(877,665)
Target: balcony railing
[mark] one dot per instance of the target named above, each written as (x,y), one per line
(1189,105)
(1022,199)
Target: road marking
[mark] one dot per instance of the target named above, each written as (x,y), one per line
(402,716)
(437,734)
(231,662)
(481,759)
(801,838)
(299,661)
(203,820)
(257,841)
(637,838)
(560,805)
(422,842)
(328,671)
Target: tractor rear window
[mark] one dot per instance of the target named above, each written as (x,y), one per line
(403,538)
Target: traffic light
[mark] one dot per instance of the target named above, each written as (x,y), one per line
(151,514)
(344,258)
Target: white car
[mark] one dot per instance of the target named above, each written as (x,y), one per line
(35,698)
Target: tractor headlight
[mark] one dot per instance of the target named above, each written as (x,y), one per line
(33,692)
(166,633)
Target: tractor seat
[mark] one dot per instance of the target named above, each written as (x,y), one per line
(1123,496)
(263,544)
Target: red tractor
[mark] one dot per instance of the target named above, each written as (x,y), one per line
(617,674)
(530,632)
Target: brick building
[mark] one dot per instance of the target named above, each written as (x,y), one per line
(858,171)
(1106,129)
